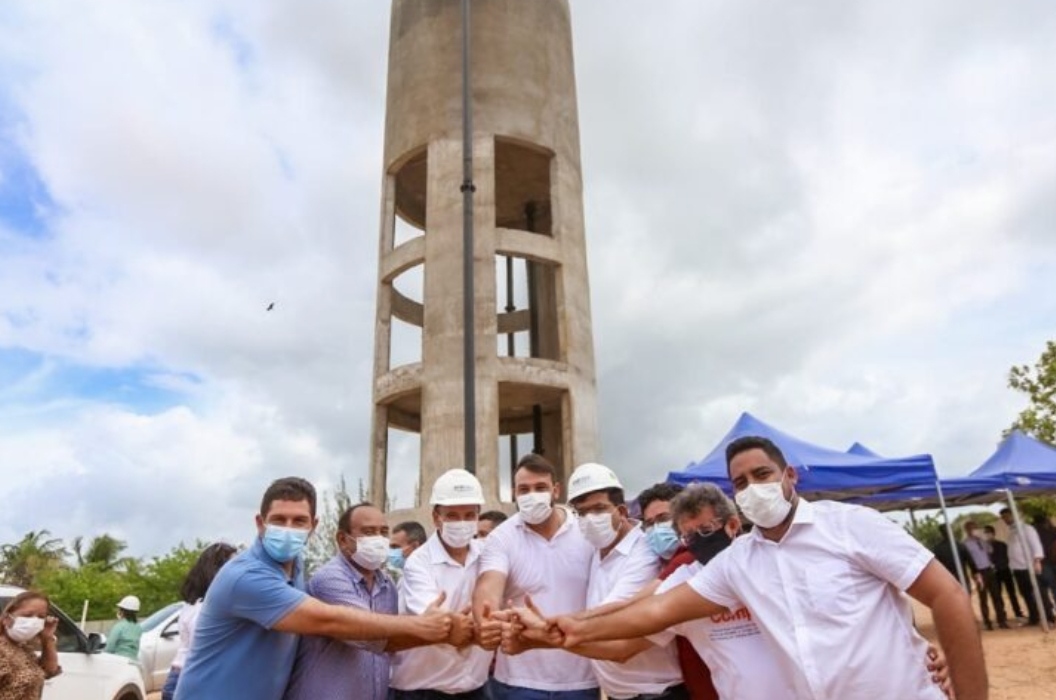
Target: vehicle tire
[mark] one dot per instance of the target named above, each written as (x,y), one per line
(129,692)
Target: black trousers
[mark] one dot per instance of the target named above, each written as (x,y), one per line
(675,692)
(990,592)
(1006,582)
(1022,577)
(478,694)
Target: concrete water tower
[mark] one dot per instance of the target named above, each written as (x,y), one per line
(534,353)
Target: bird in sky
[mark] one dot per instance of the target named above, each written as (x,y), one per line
(270,306)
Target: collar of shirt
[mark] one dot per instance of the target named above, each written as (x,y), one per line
(804,515)
(625,545)
(570,521)
(381,578)
(438,554)
(257,550)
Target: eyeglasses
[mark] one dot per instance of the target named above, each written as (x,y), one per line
(705,530)
(658,520)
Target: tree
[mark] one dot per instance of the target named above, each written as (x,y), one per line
(927,530)
(323,545)
(37,553)
(104,551)
(1038,419)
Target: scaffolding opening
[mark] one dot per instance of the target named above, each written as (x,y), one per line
(522,187)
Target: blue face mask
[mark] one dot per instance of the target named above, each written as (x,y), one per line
(662,540)
(396,558)
(284,544)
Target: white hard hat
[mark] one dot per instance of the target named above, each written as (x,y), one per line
(130,603)
(457,487)
(591,477)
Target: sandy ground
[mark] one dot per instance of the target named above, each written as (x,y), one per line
(1021,662)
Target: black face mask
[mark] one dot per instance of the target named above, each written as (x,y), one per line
(705,547)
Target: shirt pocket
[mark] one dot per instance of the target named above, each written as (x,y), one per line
(833,589)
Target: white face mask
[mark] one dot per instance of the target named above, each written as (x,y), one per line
(371,552)
(764,504)
(597,529)
(459,534)
(535,507)
(23,629)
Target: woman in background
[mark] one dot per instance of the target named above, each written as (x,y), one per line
(123,639)
(22,674)
(193,591)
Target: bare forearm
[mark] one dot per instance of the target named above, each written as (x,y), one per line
(49,659)
(959,638)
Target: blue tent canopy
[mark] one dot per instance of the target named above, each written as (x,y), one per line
(860,449)
(823,472)
(1020,464)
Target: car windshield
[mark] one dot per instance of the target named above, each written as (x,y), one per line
(159,617)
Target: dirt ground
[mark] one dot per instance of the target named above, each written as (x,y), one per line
(1021,662)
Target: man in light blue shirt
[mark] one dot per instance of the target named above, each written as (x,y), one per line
(245,642)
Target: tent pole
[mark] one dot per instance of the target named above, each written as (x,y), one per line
(949,533)
(1030,561)
(913,518)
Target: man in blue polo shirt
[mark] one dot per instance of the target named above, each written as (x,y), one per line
(246,636)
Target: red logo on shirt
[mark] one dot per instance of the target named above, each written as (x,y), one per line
(738,615)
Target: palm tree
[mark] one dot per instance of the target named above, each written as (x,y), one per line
(104,552)
(37,552)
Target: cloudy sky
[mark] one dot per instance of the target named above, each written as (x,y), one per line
(835,215)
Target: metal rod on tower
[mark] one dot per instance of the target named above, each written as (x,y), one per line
(469,325)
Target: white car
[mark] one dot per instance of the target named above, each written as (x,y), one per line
(88,673)
(158,645)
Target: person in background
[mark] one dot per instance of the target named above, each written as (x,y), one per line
(406,537)
(1020,560)
(22,672)
(446,565)
(985,576)
(489,520)
(662,534)
(192,591)
(124,636)
(1047,579)
(943,552)
(1002,572)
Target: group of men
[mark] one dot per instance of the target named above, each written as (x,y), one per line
(995,565)
(559,602)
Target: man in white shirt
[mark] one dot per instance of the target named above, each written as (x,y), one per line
(623,564)
(538,552)
(823,580)
(447,564)
(1019,560)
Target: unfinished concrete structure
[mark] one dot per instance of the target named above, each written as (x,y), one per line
(534,346)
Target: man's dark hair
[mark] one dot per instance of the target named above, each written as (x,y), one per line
(989,529)
(414,531)
(289,488)
(615,496)
(658,492)
(344,523)
(204,571)
(754,442)
(1004,510)
(495,516)
(537,464)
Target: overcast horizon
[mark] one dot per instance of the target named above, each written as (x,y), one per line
(836,216)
